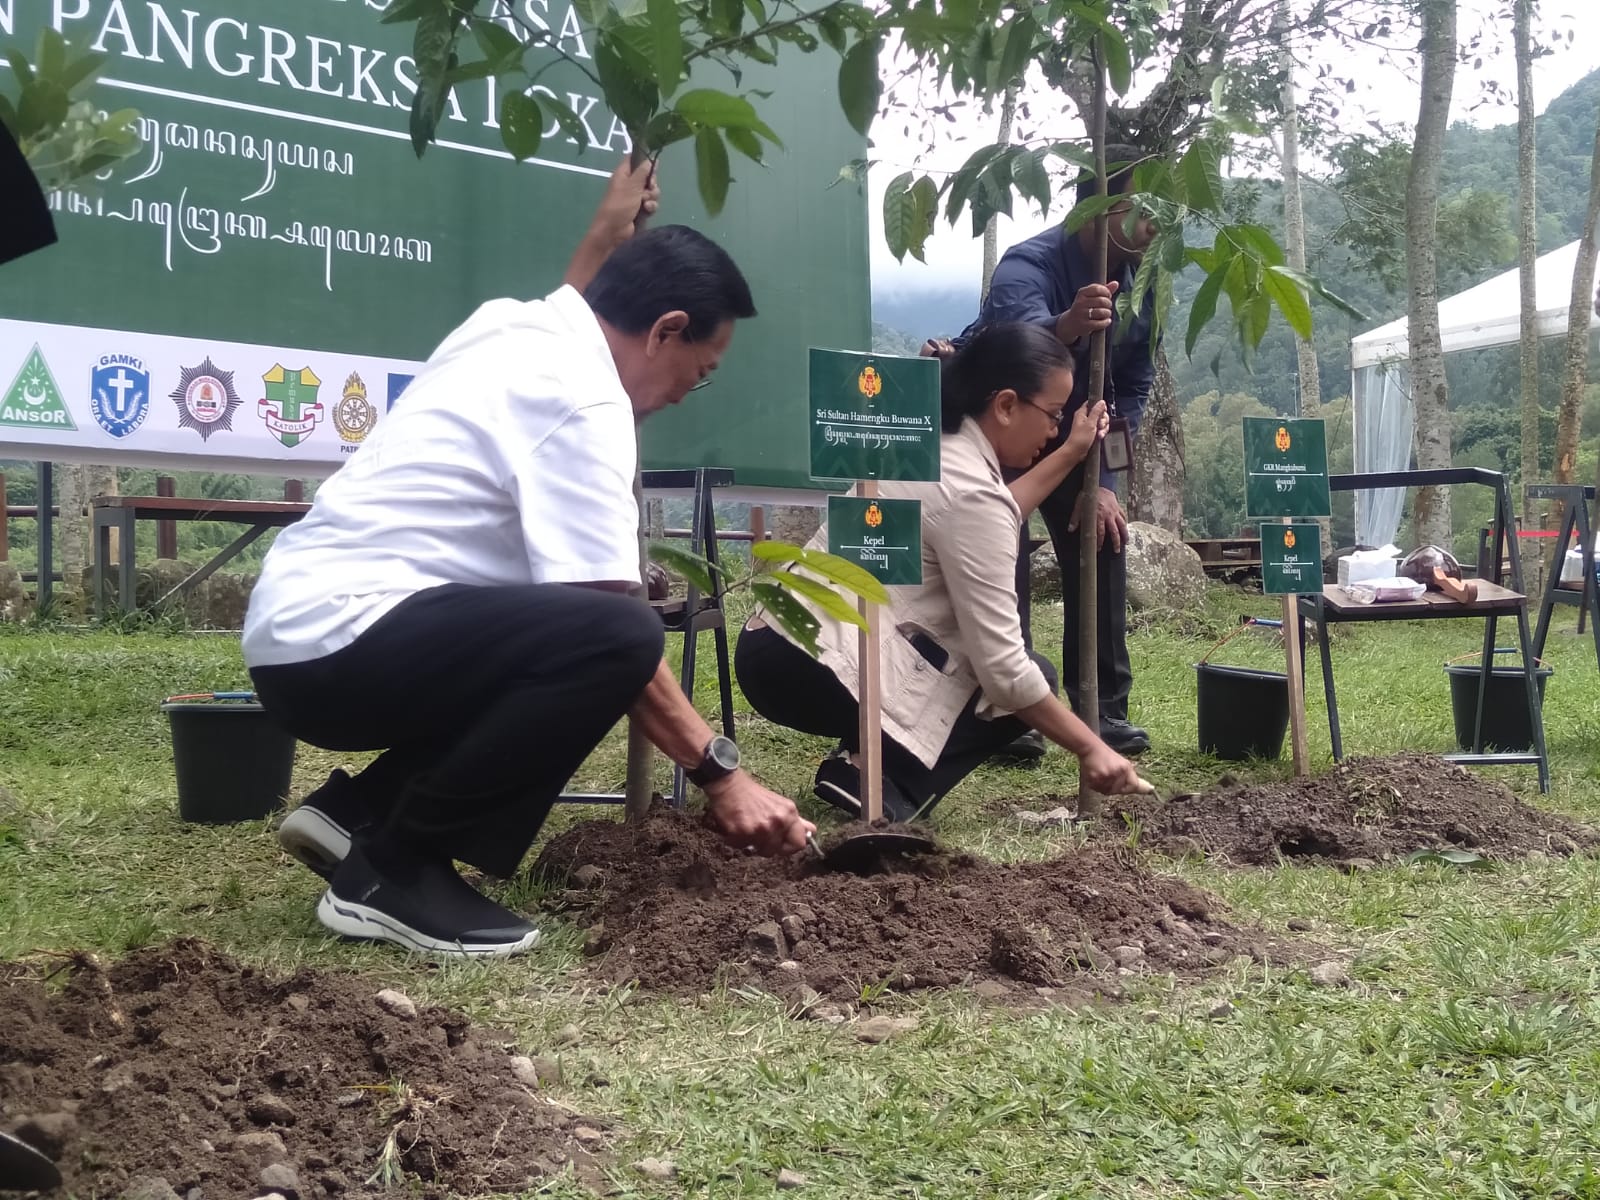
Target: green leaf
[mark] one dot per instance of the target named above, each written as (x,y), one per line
(665,129)
(1202,177)
(711,165)
(631,96)
(1286,293)
(43,106)
(841,571)
(1204,306)
(19,65)
(408,10)
(1260,239)
(1027,169)
(899,222)
(1450,858)
(823,596)
(925,198)
(666,38)
(82,69)
(1255,319)
(1075,155)
(566,118)
(722,110)
(1017,53)
(51,56)
(746,143)
(832,31)
(859,85)
(521,124)
(427,108)
(966,178)
(431,45)
(788,614)
(727,16)
(691,567)
(497,42)
(1119,63)
(1088,210)
(1170,250)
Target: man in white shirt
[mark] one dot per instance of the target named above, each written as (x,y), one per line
(458,594)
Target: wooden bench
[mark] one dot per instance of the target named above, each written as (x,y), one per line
(1225,556)
(122,512)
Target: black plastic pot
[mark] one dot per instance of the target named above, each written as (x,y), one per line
(1243,713)
(232,760)
(1505,705)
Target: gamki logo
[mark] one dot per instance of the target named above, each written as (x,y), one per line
(33,399)
(870,382)
(1282,440)
(290,408)
(205,399)
(874,516)
(1288,539)
(119,393)
(354,416)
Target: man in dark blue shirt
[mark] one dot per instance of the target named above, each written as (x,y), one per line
(1050,280)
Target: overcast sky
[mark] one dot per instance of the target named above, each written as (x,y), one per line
(1389,94)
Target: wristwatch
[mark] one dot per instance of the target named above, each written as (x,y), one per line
(720,759)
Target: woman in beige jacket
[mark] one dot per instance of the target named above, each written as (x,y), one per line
(958,682)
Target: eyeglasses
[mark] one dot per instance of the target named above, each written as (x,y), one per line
(1054,416)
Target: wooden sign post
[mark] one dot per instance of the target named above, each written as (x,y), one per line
(874,417)
(1286,476)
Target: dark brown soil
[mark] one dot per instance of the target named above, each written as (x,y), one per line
(672,907)
(180,1064)
(1364,810)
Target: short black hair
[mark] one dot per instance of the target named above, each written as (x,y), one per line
(1121,180)
(669,268)
(1007,354)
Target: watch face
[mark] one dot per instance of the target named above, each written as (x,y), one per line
(725,753)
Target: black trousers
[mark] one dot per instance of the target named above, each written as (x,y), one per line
(1111,578)
(790,688)
(484,701)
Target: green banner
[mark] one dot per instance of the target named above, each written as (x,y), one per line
(1285,468)
(1291,558)
(874,416)
(883,536)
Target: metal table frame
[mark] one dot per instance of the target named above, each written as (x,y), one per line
(1575,499)
(1317,608)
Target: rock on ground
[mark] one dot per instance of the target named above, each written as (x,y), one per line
(1162,571)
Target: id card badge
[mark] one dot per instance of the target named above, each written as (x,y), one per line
(1116,448)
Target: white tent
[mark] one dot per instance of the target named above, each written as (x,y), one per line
(1486,315)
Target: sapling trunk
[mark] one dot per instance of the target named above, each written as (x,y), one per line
(1089,499)
(640,786)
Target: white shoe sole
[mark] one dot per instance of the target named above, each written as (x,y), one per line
(368,924)
(312,837)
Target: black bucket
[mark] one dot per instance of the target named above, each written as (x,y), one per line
(1505,706)
(233,761)
(1244,713)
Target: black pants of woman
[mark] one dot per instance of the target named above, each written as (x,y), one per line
(790,688)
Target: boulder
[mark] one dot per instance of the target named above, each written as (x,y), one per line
(1162,571)
(15,604)
(1044,574)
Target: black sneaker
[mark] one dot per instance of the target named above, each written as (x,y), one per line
(838,783)
(1124,738)
(317,833)
(435,912)
(1025,751)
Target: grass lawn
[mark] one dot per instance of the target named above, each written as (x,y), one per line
(1463,1062)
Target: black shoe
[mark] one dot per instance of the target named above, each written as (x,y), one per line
(1025,751)
(318,831)
(838,783)
(434,911)
(1122,737)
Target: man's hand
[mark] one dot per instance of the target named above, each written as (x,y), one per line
(633,192)
(1109,518)
(1107,772)
(941,348)
(1090,313)
(743,813)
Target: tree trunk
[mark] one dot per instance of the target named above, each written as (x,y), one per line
(1156,495)
(1429,389)
(1294,216)
(1528,253)
(1577,365)
(991,231)
(793,523)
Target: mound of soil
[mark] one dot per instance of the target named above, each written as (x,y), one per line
(178,1065)
(670,906)
(1365,810)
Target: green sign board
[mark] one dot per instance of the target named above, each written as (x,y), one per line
(883,536)
(1291,558)
(874,416)
(1285,468)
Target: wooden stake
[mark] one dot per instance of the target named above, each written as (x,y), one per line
(869,681)
(1296,670)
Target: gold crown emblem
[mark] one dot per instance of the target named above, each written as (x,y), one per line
(355,387)
(1282,440)
(870,382)
(1288,539)
(874,515)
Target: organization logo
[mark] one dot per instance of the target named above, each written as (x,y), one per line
(119,393)
(205,398)
(290,408)
(33,399)
(1288,539)
(397,384)
(874,516)
(1282,440)
(354,416)
(870,382)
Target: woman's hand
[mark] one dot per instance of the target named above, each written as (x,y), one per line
(1108,773)
(1089,425)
